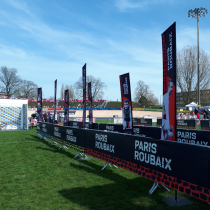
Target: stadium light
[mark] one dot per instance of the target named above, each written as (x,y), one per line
(196,13)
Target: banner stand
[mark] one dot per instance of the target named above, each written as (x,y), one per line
(83,158)
(109,165)
(154,187)
(181,201)
(64,146)
(78,154)
(53,142)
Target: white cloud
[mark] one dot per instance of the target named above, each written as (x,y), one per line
(124,5)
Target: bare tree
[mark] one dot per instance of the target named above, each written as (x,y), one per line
(187,73)
(62,91)
(144,95)
(71,92)
(96,84)
(27,89)
(152,98)
(9,81)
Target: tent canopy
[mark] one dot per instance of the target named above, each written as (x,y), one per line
(192,105)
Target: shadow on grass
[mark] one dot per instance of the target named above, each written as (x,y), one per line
(52,148)
(122,194)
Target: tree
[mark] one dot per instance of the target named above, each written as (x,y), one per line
(71,92)
(187,74)
(9,81)
(67,87)
(97,87)
(62,91)
(27,89)
(144,95)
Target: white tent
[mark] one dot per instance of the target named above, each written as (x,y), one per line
(192,105)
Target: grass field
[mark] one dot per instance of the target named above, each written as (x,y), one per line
(36,175)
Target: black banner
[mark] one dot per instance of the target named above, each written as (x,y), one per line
(65,133)
(145,122)
(84,94)
(169,84)
(205,125)
(90,106)
(186,124)
(66,108)
(54,117)
(160,156)
(197,137)
(147,131)
(75,124)
(159,122)
(39,105)
(126,103)
(154,159)
(111,127)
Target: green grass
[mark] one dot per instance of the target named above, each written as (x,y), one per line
(36,175)
(105,121)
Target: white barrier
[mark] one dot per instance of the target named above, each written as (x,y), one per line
(13,114)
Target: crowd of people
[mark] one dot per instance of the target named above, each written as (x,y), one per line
(197,114)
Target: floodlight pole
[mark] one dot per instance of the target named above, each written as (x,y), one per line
(198,97)
(196,13)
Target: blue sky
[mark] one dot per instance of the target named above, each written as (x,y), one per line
(53,39)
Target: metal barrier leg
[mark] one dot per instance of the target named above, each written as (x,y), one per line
(109,165)
(165,187)
(105,166)
(50,141)
(61,146)
(77,154)
(154,187)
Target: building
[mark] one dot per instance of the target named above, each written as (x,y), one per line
(184,98)
(3,95)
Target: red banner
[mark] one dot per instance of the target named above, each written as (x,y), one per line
(168,131)
(90,106)
(84,94)
(55,115)
(126,103)
(39,104)
(66,108)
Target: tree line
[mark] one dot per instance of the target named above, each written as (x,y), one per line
(13,86)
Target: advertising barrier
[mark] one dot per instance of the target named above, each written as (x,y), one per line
(159,122)
(186,124)
(205,125)
(188,136)
(153,159)
(145,122)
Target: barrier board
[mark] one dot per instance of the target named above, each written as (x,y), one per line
(153,159)
(145,122)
